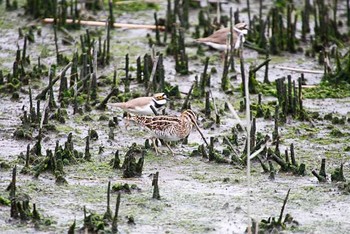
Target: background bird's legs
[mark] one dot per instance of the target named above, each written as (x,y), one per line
(154,145)
(127,122)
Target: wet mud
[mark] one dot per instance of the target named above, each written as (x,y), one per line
(197,196)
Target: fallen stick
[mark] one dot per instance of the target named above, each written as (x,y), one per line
(104,102)
(231,146)
(102,23)
(253,155)
(300,70)
(43,93)
(235,115)
(308,86)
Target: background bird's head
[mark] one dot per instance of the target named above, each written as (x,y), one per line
(160,99)
(241,28)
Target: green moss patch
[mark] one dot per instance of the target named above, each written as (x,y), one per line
(327,91)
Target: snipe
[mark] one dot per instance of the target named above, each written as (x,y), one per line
(169,128)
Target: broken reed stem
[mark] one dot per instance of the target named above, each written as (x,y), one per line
(232,57)
(185,105)
(248,127)
(284,205)
(263,165)
(321,176)
(348,12)
(24,49)
(115,218)
(108,41)
(75,102)
(207,105)
(224,78)
(211,149)
(275,134)
(292,155)
(286,157)
(215,108)
(320,179)
(114,92)
(157,30)
(14,211)
(252,134)
(116,163)
(126,80)
(27,156)
(87,155)
(204,79)
(138,70)
(42,94)
(13,183)
(218,11)
(151,78)
(323,168)
(156,194)
(93,82)
(272,171)
(56,45)
(108,213)
(261,65)
(102,23)
(249,23)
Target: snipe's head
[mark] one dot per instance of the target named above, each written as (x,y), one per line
(160,99)
(189,116)
(241,28)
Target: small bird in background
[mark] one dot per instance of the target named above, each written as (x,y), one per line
(143,105)
(169,128)
(218,40)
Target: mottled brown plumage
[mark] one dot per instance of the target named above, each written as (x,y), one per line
(168,128)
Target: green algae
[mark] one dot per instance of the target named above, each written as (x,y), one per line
(4,201)
(325,90)
(134,6)
(96,170)
(65,128)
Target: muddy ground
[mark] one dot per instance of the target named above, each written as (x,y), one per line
(197,196)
